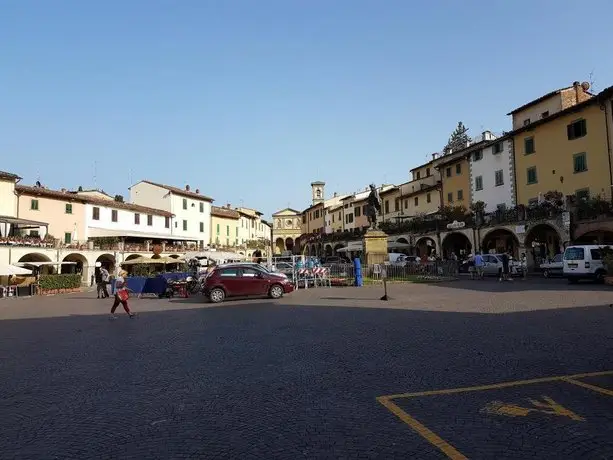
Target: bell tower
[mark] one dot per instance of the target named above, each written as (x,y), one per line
(317,192)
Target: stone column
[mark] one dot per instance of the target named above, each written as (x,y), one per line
(375,247)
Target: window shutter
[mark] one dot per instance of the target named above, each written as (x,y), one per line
(569,131)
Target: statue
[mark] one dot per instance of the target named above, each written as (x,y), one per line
(373,206)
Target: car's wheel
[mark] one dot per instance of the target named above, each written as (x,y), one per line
(276,291)
(217,295)
(546,273)
(599,276)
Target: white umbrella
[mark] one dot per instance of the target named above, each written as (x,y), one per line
(7,270)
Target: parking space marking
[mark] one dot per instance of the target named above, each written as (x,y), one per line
(549,405)
(589,386)
(422,430)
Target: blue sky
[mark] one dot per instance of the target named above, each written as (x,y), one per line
(251,100)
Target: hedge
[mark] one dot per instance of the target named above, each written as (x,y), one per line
(59,281)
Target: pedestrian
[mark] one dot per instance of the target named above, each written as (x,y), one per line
(102,279)
(121,295)
(524,265)
(479,265)
(504,273)
(471,266)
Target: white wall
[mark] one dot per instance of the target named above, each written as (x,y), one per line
(8,199)
(197,212)
(535,112)
(125,221)
(151,196)
(491,194)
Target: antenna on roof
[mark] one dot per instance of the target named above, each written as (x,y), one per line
(592,81)
(94,177)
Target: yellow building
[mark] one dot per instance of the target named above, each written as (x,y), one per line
(421,196)
(565,151)
(455,177)
(313,219)
(224,227)
(336,216)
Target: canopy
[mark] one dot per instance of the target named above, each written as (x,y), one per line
(41,264)
(8,270)
(214,255)
(397,245)
(150,261)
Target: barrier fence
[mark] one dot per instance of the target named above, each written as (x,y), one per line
(344,274)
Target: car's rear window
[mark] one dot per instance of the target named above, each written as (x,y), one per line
(228,272)
(574,254)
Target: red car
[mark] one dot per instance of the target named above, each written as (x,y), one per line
(243,281)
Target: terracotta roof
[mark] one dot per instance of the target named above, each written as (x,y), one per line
(460,154)
(72,196)
(8,175)
(181,192)
(224,212)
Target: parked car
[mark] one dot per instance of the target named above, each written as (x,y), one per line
(493,265)
(584,262)
(284,268)
(241,280)
(555,267)
(405,261)
(256,266)
(335,260)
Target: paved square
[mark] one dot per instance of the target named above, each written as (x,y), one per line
(300,377)
(547,418)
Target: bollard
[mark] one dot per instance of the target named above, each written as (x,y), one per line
(357,266)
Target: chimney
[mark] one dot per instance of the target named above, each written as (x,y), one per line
(198,191)
(187,188)
(335,194)
(63,190)
(229,206)
(578,90)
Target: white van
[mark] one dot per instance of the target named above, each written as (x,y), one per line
(584,262)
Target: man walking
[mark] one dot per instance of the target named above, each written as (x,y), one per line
(102,282)
(479,265)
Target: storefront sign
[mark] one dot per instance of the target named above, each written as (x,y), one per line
(456,225)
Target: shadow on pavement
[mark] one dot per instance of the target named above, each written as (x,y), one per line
(262,380)
(518,284)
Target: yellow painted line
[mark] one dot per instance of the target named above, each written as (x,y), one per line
(496,386)
(422,430)
(589,386)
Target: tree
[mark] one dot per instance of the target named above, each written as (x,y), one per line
(459,139)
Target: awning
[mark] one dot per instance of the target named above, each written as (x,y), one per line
(8,270)
(23,223)
(214,255)
(96,232)
(41,264)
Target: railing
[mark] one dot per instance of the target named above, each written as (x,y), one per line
(344,274)
(85,245)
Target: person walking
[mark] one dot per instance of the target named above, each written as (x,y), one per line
(504,274)
(102,282)
(479,264)
(121,296)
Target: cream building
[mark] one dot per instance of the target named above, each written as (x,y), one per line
(287,228)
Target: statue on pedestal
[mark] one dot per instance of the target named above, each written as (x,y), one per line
(373,206)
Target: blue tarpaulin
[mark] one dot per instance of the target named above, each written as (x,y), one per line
(145,285)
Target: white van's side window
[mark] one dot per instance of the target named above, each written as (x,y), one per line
(574,254)
(596,255)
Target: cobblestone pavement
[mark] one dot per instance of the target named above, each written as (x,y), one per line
(300,377)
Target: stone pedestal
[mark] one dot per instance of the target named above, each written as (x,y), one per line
(375,247)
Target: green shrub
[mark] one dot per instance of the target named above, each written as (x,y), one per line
(59,281)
